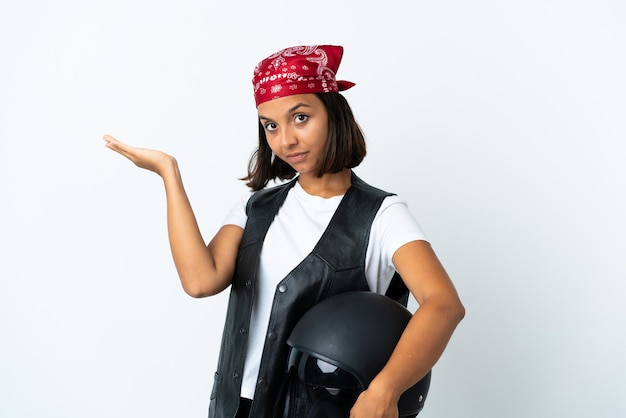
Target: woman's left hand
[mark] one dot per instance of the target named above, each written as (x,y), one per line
(374,404)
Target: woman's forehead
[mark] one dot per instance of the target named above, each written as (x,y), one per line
(288,104)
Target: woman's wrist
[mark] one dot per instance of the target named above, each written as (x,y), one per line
(168,167)
(385,391)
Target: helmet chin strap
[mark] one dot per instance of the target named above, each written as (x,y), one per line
(288,392)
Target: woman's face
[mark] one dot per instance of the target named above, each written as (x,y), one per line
(296,128)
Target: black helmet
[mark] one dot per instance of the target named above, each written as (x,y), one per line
(344,341)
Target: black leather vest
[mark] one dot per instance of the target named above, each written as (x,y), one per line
(336,264)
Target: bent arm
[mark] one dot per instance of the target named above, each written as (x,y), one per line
(204,270)
(426,335)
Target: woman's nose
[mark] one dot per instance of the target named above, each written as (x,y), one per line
(288,137)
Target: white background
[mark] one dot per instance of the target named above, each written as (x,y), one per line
(501,122)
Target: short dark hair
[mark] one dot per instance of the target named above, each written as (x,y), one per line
(345,147)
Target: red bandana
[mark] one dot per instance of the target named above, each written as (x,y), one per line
(298,70)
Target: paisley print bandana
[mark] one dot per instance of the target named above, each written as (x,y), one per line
(298,70)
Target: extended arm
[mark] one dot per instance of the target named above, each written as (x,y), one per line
(203,270)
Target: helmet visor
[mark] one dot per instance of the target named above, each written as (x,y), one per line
(317,372)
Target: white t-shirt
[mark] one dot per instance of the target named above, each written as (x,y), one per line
(293,234)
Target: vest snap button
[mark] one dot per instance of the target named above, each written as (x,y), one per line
(282,288)
(272,336)
(243,330)
(235,376)
(262,383)
(248,283)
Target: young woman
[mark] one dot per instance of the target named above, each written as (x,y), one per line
(284,248)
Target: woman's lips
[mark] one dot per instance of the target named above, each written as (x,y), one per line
(296,157)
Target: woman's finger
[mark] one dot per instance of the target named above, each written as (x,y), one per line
(121,148)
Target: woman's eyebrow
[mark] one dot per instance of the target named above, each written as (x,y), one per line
(289,111)
(294,108)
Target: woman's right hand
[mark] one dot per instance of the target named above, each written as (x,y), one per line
(149,159)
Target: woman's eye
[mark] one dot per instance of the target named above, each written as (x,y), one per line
(270,127)
(301,118)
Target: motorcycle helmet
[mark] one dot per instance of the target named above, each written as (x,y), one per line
(344,341)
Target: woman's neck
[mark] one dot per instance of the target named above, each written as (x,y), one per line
(328,185)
